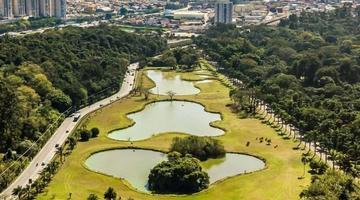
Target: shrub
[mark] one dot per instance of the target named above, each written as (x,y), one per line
(178,175)
(199,147)
(92,197)
(94,132)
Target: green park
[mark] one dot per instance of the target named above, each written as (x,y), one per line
(282,177)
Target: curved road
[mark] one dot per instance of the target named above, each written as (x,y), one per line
(59,137)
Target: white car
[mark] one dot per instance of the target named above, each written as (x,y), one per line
(77,117)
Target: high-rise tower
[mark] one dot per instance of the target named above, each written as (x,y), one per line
(8,8)
(33,8)
(60,9)
(2,8)
(223,12)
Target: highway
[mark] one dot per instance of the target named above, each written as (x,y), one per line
(46,154)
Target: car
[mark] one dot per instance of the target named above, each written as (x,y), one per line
(76,117)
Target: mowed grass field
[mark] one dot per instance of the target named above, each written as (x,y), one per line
(278,181)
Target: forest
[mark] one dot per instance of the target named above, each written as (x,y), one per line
(307,69)
(185,58)
(43,75)
(29,24)
(201,148)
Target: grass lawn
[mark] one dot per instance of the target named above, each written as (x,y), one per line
(279,180)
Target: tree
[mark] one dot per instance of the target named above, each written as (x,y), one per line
(8,114)
(72,142)
(318,167)
(94,132)
(333,157)
(170,61)
(346,46)
(85,135)
(38,185)
(59,100)
(110,194)
(27,192)
(146,93)
(331,185)
(18,191)
(178,175)
(171,94)
(24,147)
(9,155)
(39,80)
(304,160)
(92,197)
(201,148)
(314,78)
(60,152)
(41,84)
(123,11)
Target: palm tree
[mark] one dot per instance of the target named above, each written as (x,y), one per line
(334,156)
(72,142)
(304,160)
(262,107)
(27,191)
(18,191)
(294,132)
(268,112)
(51,167)
(315,138)
(60,152)
(233,95)
(38,185)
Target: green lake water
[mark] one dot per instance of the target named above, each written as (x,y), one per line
(134,165)
(169,116)
(175,84)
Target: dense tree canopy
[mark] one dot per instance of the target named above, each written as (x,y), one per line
(180,58)
(201,148)
(42,75)
(29,24)
(332,186)
(309,73)
(178,175)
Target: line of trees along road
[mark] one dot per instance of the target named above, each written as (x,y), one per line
(308,71)
(42,75)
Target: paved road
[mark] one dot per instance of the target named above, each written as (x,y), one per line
(59,137)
